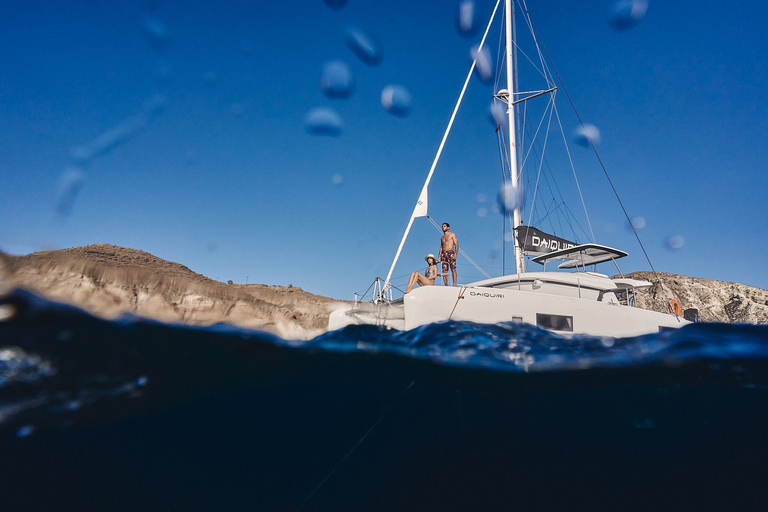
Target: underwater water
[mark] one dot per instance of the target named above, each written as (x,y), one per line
(139,415)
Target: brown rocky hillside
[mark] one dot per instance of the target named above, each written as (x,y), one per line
(108,281)
(717,301)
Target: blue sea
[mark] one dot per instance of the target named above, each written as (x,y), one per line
(134,415)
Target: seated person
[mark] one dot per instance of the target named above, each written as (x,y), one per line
(425,279)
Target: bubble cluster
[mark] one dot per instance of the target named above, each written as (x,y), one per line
(337,80)
(587,135)
(396,100)
(323,121)
(627,14)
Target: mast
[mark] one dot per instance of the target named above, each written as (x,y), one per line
(516,216)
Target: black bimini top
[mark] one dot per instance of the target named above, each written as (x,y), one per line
(581,255)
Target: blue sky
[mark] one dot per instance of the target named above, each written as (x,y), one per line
(182,127)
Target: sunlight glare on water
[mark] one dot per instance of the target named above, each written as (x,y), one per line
(7,311)
(396,100)
(337,80)
(365,46)
(323,121)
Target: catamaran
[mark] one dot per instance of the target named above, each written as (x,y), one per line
(576,300)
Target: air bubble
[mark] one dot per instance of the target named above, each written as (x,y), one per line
(508,198)
(323,121)
(396,100)
(499,114)
(25,431)
(71,182)
(483,63)
(336,179)
(638,222)
(482,212)
(337,80)
(587,135)
(466,19)
(156,33)
(675,242)
(118,134)
(335,4)
(627,14)
(365,46)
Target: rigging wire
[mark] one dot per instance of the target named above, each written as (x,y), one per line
(597,155)
(461,251)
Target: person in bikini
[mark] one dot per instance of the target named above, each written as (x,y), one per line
(449,248)
(425,279)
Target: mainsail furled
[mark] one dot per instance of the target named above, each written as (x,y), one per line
(535,241)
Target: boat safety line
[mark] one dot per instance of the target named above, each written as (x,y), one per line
(461,296)
(359,442)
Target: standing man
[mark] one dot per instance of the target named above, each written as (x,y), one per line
(449,248)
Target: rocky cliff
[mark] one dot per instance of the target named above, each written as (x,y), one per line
(716,301)
(108,281)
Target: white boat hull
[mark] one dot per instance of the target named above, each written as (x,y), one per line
(585,311)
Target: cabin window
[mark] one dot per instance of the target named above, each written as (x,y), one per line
(517,319)
(555,322)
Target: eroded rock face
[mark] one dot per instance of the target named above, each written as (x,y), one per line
(717,301)
(109,281)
